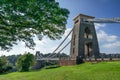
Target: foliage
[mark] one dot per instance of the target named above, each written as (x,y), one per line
(52,67)
(13,59)
(86,71)
(25,62)
(4,65)
(21,20)
(79,60)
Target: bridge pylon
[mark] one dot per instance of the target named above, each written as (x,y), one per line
(84,43)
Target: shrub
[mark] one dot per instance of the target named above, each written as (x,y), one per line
(25,62)
(4,65)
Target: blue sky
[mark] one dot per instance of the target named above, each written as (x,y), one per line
(108,34)
(98,9)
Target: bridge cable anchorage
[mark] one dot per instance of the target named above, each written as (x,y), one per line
(103,20)
(61,49)
(61,43)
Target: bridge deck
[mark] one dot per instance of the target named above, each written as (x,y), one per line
(48,59)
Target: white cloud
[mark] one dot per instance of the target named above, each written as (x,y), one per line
(104,37)
(112,45)
(108,43)
(98,26)
(42,42)
(67,32)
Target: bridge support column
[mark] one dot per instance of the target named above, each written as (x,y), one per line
(84,41)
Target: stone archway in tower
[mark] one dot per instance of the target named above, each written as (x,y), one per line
(88,43)
(87,33)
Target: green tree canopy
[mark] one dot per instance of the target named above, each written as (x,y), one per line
(21,20)
(4,65)
(25,62)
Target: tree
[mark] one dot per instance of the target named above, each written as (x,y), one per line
(4,65)
(13,59)
(21,20)
(25,62)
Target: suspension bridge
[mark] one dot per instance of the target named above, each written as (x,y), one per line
(84,43)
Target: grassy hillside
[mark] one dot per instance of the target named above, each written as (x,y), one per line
(86,71)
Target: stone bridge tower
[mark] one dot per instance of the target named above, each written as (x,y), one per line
(84,41)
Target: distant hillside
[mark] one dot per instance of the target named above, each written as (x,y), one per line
(86,71)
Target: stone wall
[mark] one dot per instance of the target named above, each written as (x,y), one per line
(68,62)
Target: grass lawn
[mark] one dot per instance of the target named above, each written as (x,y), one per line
(86,71)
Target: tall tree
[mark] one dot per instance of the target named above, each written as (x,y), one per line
(25,62)
(21,20)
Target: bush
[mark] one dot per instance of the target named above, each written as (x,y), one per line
(79,60)
(4,65)
(25,62)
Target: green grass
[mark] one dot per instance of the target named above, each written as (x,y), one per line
(86,71)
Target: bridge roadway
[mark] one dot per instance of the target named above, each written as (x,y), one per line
(52,59)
